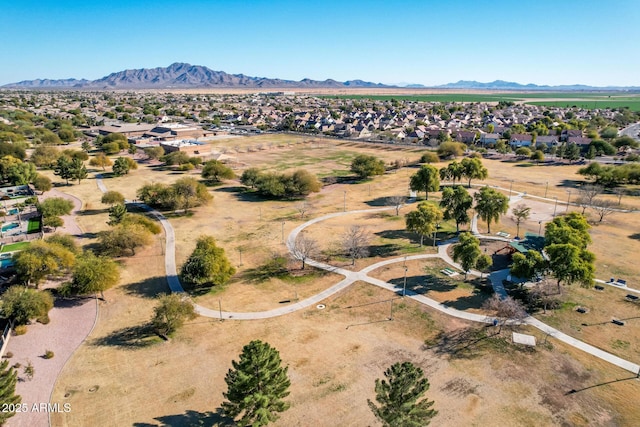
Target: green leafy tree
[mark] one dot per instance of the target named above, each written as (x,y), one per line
(55,206)
(42,183)
(22,304)
(92,274)
(537,156)
(121,166)
(42,259)
(571,264)
(472,168)
(154,153)
(189,193)
(528,266)
(490,205)
(399,397)
(45,156)
(424,220)
(429,157)
(86,147)
(112,198)
(52,222)
(171,312)
(454,171)
(520,213)
(216,171)
(572,228)
(467,252)
(78,170)
(8,396)
(100,160)
(22,173)
(250,177)
(64,168)
(451,149)
(207,265)
(426,179)
(125,239)
(456,203)
(365,166)
(117,214)
(257,385)
(483,263)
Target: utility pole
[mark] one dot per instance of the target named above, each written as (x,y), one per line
(283,232)
(344,202)
(546,189)
(555,207)
(404,287)
(568,198)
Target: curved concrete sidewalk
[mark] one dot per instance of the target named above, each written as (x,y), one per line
(350,277)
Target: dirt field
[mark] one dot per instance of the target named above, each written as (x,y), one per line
(334,355)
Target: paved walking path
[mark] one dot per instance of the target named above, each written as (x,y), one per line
(353,276)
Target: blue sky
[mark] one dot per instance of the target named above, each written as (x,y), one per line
(430,42)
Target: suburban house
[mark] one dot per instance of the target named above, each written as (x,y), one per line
(579,141)
(520,140)
(548,140)
(570,133)
(468,137)
(489,138)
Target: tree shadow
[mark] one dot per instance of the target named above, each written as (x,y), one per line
(379,201)
(424,283)
(192,418)
(88,212)
(132,337)
(635,236)
(398,234)
(148,288)
(69,302)
(389,249)
(466,302)
(472,342)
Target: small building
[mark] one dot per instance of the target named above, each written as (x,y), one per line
(189,146)
(489,138)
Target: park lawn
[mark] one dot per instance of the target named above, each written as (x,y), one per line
(335,354)
(595,327)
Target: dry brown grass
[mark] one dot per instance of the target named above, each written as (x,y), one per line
(334,355)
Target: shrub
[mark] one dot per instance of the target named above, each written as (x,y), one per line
(48,354)
(429,157)
(8,355)
(20,330)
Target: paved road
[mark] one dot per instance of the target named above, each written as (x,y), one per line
(350,277)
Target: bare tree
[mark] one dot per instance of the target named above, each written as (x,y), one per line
(303,208)
(508,309)
(619,191)
(397,202)
(355,243)
(544,294)
(603,208)
(586,195)
(304,247)
(520,213)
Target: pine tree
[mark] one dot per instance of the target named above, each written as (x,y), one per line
(398,398)
(8,396)
(256,386)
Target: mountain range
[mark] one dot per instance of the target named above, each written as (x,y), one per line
(185,76)
(181,75)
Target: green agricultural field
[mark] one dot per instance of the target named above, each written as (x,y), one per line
(632,104)
(554,99)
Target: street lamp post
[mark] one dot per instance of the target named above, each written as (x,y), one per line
(510,187)
(555,207)
(568,198)
(546,189)
(404,287)
(344,202)
(539,227)
(282,231)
